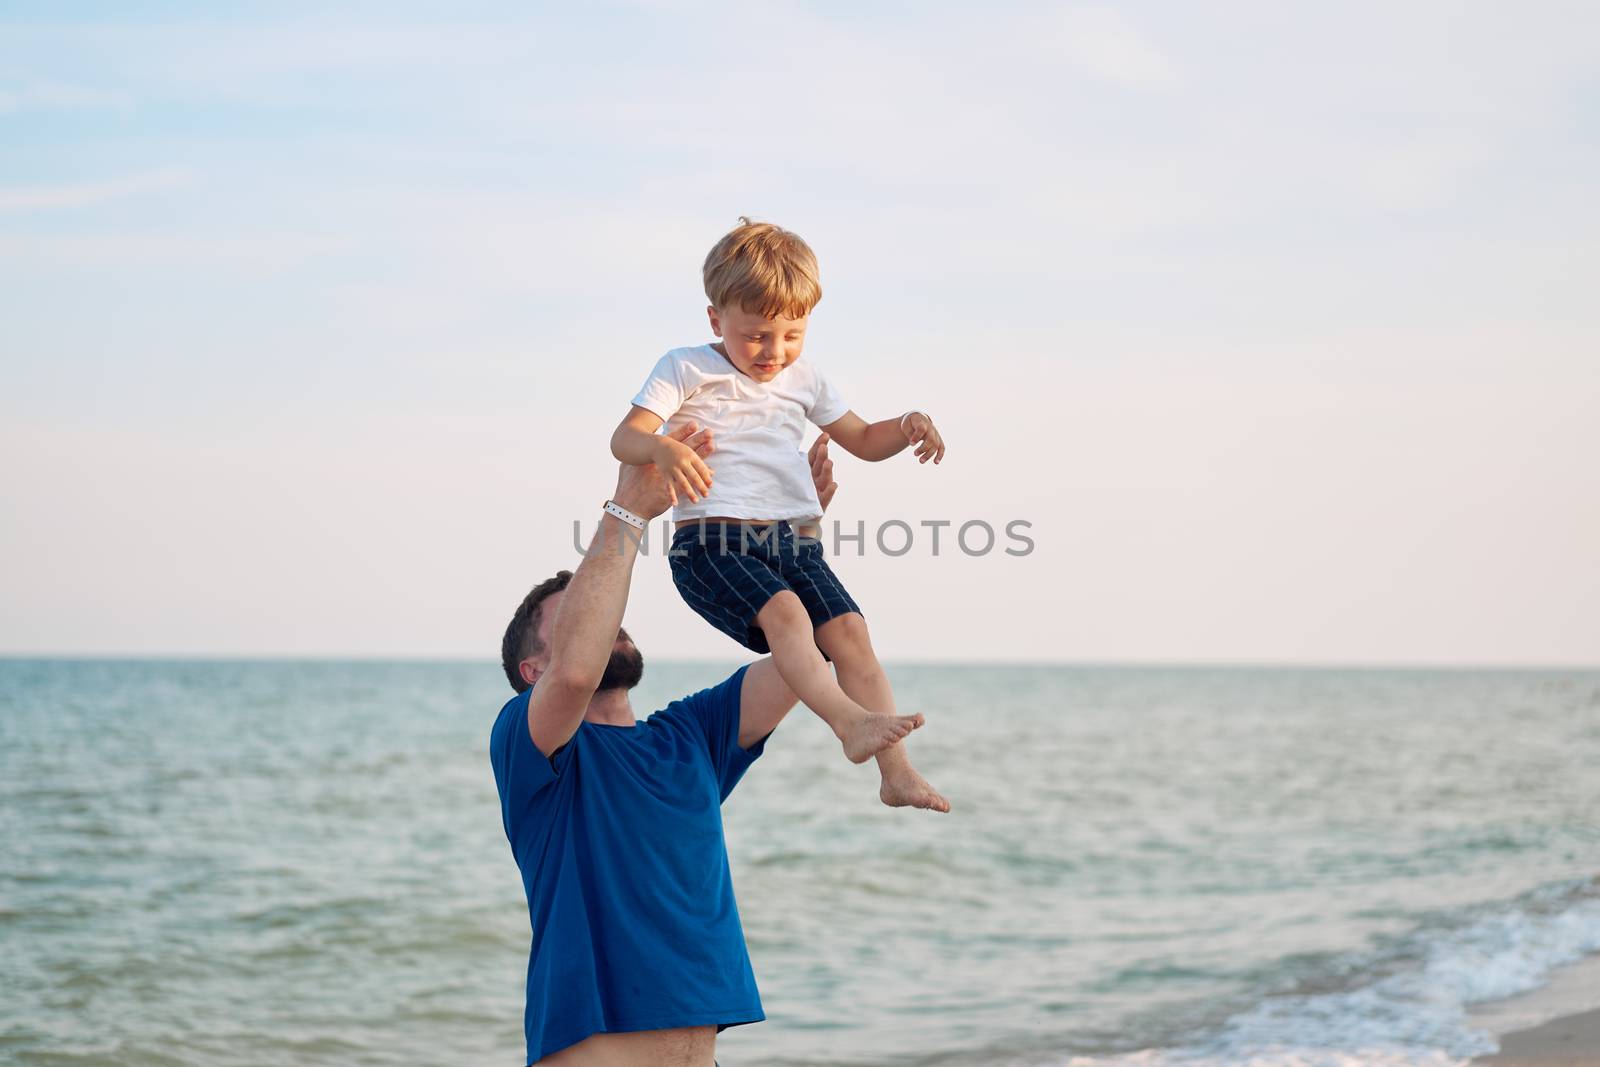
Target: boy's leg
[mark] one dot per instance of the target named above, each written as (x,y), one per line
(846,641)
(787,627)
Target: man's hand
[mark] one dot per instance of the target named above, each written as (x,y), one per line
(765,697)
(681,467)
(920,431)
(587,623)
(822,470)
(641,488)
(822,478)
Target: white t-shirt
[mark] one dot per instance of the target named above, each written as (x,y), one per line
(759,469)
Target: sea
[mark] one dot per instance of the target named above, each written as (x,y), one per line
(262,863)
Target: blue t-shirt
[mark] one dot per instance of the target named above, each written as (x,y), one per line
(619,838)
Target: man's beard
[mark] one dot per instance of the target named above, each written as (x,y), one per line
(623,669)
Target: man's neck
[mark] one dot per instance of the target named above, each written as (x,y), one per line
(610,707)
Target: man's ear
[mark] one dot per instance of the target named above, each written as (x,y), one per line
(530,673)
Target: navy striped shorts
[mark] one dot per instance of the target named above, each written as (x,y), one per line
(727,571)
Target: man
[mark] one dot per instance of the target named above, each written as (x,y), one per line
(638,958)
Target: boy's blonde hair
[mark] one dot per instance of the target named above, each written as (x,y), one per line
(763,269)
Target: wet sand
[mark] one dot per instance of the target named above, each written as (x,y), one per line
(1570,1041)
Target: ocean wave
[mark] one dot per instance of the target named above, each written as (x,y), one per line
(1405,1005)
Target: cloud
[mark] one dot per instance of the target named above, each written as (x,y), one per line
(1424,171)
(257,251)
(87,194)
(1103,44)
(58,96)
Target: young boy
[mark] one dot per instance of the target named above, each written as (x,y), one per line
(735,556)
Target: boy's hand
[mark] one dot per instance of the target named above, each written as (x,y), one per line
(643,490)
(920,431)
(682,468)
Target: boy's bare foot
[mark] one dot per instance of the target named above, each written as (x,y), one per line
(908,789)
(874,733)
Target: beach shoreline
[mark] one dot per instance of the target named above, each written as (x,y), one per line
(1567,1041)
(1556,1025)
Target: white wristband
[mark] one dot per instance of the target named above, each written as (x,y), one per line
(614,508)
(906,416)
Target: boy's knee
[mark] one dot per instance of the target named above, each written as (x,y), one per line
(783,611)
(844,635)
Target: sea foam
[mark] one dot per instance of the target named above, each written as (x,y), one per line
(1416,1013)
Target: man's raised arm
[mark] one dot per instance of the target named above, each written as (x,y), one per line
(765,698)
(586,623)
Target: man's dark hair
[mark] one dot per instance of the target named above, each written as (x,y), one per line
(522,635)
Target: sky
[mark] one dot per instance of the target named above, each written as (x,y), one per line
(1275,324)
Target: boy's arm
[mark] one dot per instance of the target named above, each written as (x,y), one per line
(879,440)
(635,441)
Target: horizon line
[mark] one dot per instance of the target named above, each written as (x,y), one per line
(1077,664)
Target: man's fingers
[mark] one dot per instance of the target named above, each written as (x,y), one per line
(825,496)
(702,443)
(822,469)
(685,431)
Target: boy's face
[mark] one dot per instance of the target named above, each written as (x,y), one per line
(757,346)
